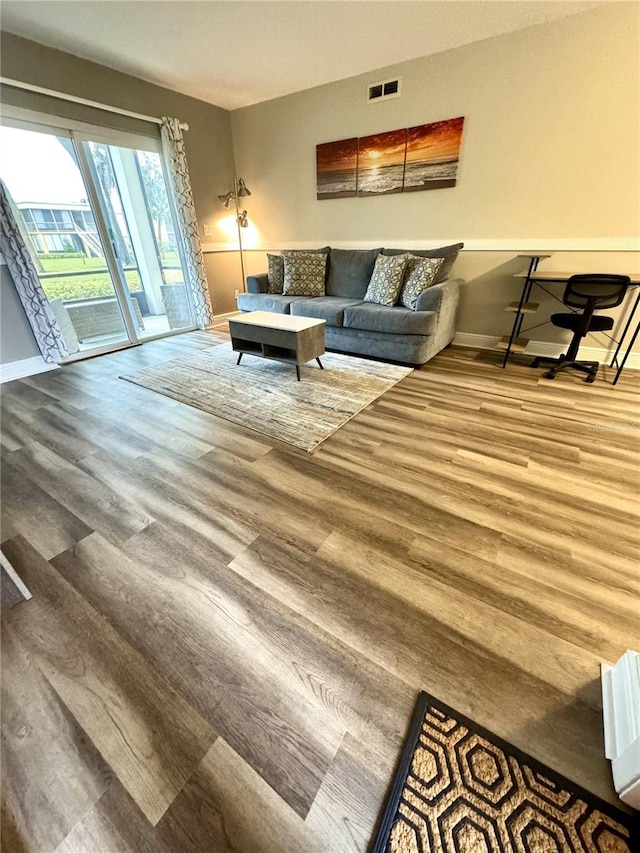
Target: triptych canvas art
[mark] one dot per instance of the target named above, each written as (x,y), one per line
(415,158)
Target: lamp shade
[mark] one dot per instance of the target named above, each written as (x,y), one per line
(242,189)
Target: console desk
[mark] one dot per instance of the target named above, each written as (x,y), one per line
(523,307)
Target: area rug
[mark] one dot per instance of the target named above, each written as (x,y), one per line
(265,395)
(461,789)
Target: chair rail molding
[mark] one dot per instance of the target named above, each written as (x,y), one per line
(518,244)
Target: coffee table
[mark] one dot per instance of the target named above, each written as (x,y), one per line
(294,340)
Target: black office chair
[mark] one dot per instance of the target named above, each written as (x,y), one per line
(591,293)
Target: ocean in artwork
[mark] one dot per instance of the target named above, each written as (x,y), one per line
(337,168)
(409,177)
(339,183)
(424,157)
(430,174)
(381,180)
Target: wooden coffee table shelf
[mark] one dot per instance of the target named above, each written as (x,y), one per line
(281,337)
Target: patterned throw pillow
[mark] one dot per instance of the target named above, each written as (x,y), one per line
(304,273)
(386,280)
(447,253)
(420,273)
(276,273)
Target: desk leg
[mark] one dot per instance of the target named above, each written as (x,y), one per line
(626,355)
(625,330)
(517,320)
(527,297)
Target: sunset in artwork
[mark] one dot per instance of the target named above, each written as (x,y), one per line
(432,155)
(424,157)
(337,168)
(381,162)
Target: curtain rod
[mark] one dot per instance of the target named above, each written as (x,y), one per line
(40,90)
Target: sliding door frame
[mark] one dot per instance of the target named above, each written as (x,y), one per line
(95,200)
(80,133)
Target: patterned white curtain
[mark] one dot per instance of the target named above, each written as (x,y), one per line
(25,278)
(174,153)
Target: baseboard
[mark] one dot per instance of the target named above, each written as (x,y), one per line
(24,367)
(467,339)
(221,319)
(31,366)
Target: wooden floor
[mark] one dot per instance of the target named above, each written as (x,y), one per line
(227,636)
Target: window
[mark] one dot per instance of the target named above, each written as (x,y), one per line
(57,243)
(63,220)
(27,215)
(44,220)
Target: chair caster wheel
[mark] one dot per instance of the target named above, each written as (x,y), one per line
(590,378)
(551,374)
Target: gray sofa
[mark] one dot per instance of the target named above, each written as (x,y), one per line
(366,328)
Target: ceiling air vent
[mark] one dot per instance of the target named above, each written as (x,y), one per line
(384,90)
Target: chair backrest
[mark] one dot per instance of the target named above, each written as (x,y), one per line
(595,291)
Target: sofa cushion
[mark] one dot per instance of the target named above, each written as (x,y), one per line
(386,280)
(275,265)
(350,272)
(304,274)
(380,318)
(258,283)
(407,349)
(275,302)
(449,253)
(420,273)
(329,308)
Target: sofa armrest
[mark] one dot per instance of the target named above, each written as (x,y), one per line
(258,283)
(431,298)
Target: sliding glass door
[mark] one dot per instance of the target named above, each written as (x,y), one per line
(50,199)
(98,221)
(135,204)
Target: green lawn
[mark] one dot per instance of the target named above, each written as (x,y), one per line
(96,281)
(71,264)
(75,264)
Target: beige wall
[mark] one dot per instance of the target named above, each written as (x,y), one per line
(208,141)
(549,157)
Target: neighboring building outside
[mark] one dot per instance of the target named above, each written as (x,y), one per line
(68,227)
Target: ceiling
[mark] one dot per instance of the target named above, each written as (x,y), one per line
(239,52)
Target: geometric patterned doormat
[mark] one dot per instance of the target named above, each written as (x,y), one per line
(460,789)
